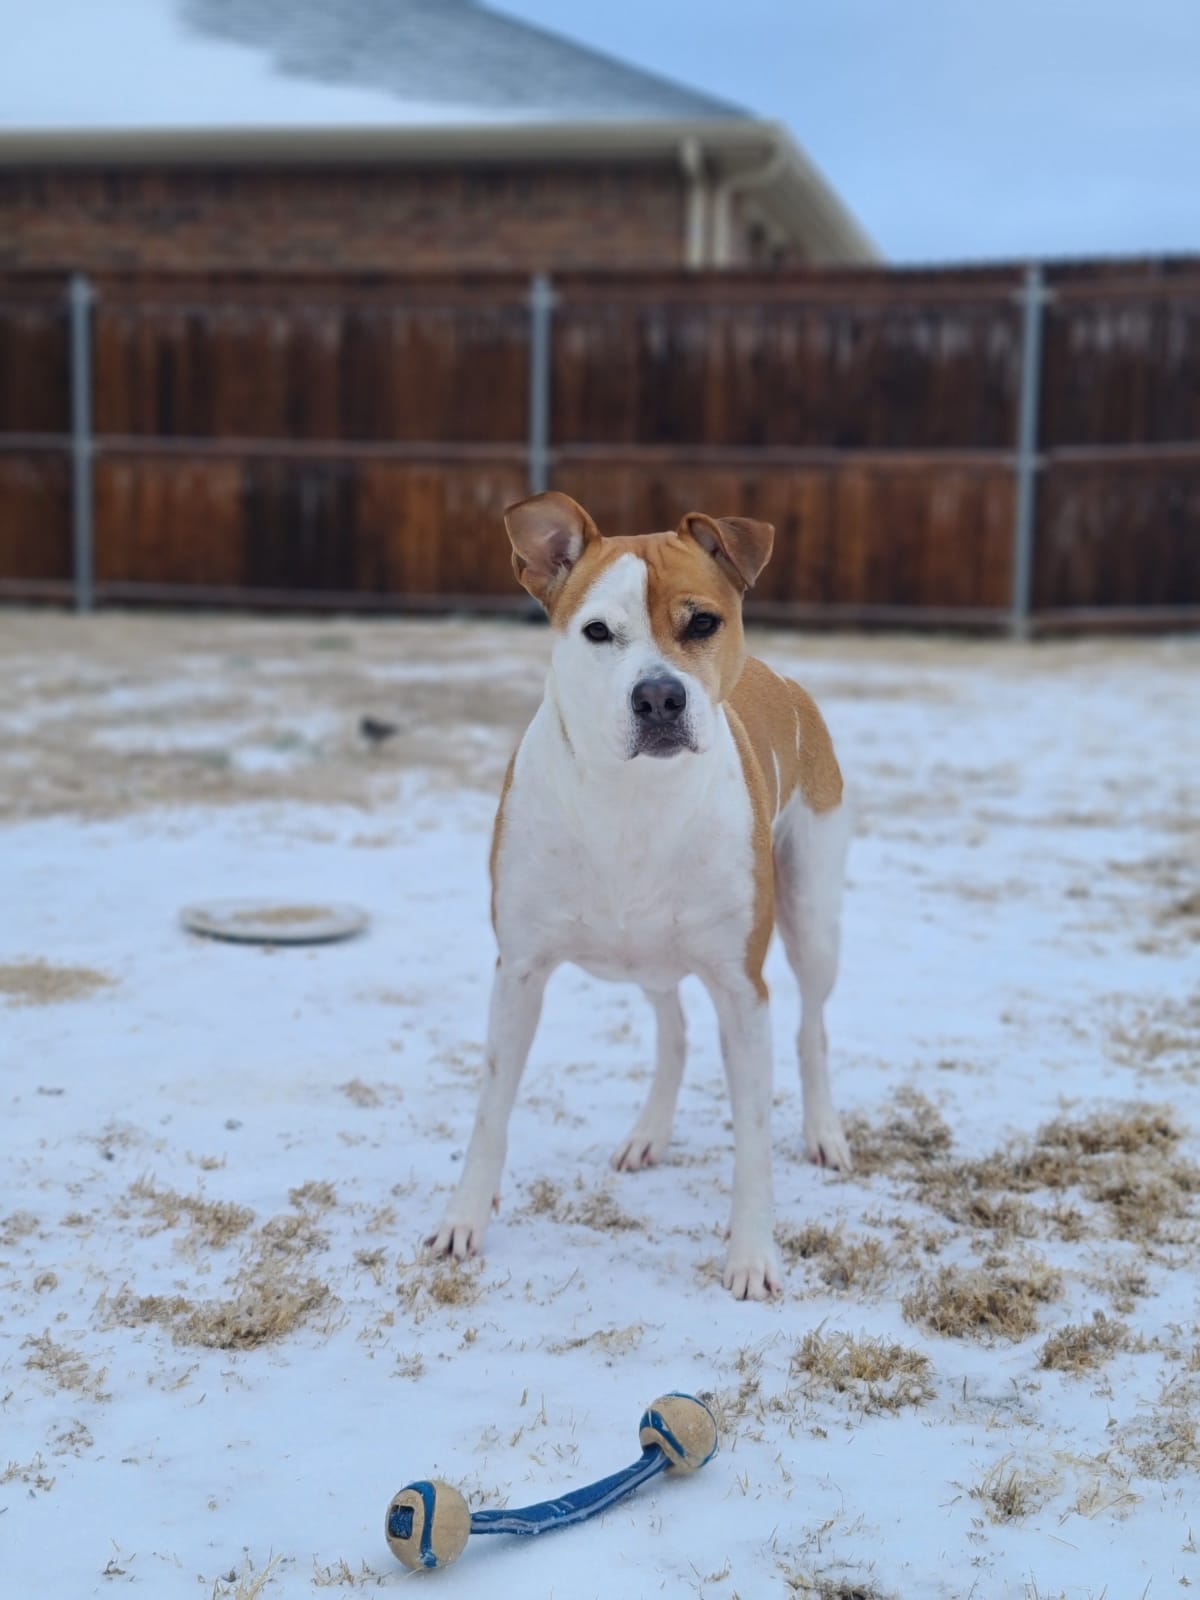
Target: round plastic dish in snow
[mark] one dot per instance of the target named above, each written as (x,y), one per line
(274,921)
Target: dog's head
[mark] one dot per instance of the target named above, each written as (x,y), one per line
(649,626)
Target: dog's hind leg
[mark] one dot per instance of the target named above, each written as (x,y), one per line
(651,1133)
(810,855)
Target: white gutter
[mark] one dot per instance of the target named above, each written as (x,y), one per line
(696,219)
(737,183)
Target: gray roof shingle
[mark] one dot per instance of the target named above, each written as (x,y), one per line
(456,52)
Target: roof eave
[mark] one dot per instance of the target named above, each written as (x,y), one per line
(481,141)
(803,205)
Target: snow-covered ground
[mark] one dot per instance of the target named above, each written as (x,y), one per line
(220,1348)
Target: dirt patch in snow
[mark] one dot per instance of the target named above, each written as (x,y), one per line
(42,983)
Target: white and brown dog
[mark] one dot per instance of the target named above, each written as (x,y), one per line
(670,801)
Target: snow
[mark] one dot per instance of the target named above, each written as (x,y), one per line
(134,64)
(1018,946)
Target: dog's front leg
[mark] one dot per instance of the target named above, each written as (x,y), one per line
(512,1021)
(752,1270)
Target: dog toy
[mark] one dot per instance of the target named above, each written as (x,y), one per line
(428,1523)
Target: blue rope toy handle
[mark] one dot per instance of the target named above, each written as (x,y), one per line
(428,1523)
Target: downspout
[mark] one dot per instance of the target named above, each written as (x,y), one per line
(738,183)
(696,218)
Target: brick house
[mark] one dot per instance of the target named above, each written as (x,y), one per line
(371,135)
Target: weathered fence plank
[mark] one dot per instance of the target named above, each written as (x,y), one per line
(353,440)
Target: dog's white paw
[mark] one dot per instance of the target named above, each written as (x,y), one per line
(645,1147)
(825,1142)
(753,1273)
(460,1235)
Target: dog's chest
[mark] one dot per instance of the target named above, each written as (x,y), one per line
(630,887)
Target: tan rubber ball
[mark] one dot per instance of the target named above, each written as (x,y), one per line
(684,1430)
(427,1525)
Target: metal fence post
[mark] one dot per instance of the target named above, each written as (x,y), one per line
(80,298)
(1033,299)
(541,311)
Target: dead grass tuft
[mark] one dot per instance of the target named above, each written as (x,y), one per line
(360,1093)
(441,1283)
(340,1575)
(600,1211)
(611,1342)
(16,1226)
(544,1197)
(1126,1162)
(246,1585)
(214,1223)
(289,1237)
(317,1192)
(839,1261)
(981,1302)
(1008,1493)
(1165,1441)
(825,1586)
(878,1374)
(66,1369)
(269,1296)
(262,1312)
(1082,1347)
(912,1134)
(40,983)
(32,1473)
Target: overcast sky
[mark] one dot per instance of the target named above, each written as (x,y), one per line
(953,128)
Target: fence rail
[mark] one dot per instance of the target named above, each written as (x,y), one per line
(1006,447)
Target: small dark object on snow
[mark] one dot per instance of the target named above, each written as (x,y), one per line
(375,732)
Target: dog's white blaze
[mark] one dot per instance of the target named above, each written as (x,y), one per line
(593,683)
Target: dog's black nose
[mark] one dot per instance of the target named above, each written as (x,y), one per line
(658,701)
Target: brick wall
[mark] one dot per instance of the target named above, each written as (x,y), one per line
(352,219)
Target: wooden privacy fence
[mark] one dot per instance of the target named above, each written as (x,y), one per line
(997,447)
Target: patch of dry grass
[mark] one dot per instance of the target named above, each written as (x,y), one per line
(361,1094)
(261,1310)
(1126,1163)
(317,1192)
(840,1261)
(31,1473)
(1083,1347)
(1165,1038)
(246,1585)
(983,1302)
(610,1342)
(270,1296)
(440,1284)
(214,1223)
(340,1575)
(912,1133)
(1165,1440)
(827,1586)
(41,983)
(544,1197)
(66,1369)
(600,1211)
(876,1374)
(289,1237)
(16,1226)
(1008,1492)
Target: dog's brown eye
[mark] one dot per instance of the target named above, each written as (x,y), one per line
(598,632)
(703,625)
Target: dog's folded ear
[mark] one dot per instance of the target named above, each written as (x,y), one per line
(735,542)
(549,533)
